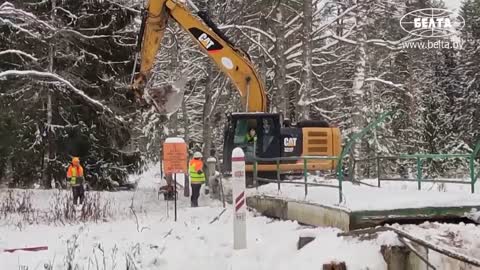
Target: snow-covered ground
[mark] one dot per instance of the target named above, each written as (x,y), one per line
(195,241)
(147,237)
(392,195)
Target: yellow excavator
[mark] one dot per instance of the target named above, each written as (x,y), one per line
(274,136)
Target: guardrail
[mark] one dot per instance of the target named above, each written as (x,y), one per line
(420,158)
(277,161)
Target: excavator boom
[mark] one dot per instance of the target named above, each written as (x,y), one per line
(228,59)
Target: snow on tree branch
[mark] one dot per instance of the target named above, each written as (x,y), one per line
(384,82)
(293,31)
(56,77)
(292,21)
(85,36)
(8,9)
(293,47)
(124,7)
(19,53)
(272,39)
(20,29)
(261,47)
(69,14)
(346,40)
(343,14)
(312,101)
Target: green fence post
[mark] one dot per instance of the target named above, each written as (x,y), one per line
(473,175)
(378,169)
(305,175)
(278,174)
(255,182)
(340,186)
(419,172)
(349,144)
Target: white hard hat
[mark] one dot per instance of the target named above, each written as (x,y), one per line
(197,155)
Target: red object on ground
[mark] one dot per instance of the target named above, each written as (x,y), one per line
(11,250)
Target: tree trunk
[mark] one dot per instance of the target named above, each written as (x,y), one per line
(207,108)
(281,96)
(186,122)
(358,119)
(50,154)
(307,74)
(173,125)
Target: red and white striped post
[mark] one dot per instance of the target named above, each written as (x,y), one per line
(239,199)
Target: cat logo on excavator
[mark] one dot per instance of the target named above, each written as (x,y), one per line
(205,41)
(289,144)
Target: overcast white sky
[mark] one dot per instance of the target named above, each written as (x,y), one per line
(453,4)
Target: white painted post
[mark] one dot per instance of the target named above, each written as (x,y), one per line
(239,199)
(211,162)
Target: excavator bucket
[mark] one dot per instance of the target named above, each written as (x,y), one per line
(167,99)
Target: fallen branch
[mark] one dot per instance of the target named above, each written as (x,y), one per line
(11,250)
(218,217)
(412,249)
(450,253)
(446,252)
(168,233)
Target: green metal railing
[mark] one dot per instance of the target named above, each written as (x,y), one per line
(277,161)
(351,142)
(346,150)
(420,158)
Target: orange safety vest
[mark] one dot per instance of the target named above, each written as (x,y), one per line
(73,172)
(194,166)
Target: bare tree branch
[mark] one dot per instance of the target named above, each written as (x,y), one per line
(56,77)
(258,30)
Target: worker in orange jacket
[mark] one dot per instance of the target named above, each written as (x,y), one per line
(197,177)
(76,179)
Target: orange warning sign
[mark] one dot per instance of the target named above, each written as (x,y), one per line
(175,157)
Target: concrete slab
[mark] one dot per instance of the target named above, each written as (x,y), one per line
(327,216)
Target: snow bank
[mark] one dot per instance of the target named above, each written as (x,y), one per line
(190,243)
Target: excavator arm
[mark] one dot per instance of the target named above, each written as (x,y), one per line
(228,59)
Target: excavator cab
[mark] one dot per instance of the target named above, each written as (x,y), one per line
(274,139)
(267,143)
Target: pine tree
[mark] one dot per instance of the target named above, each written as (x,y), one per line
(88,44)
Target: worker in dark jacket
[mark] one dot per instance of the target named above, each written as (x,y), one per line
(197,177)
